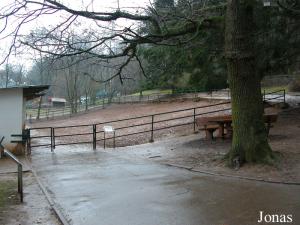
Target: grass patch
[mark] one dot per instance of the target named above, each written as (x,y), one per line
(8,193)
(275,88)
(153,92)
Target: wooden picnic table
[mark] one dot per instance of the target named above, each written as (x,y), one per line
(224,123)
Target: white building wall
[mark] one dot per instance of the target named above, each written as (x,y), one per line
(11,114)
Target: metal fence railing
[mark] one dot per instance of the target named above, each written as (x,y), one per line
(94,133)
(274,95)
(154,123)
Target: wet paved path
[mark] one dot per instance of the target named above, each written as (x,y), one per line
(102,188)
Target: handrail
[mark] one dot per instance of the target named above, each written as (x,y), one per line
(20,171)
(1,147)
(1,141)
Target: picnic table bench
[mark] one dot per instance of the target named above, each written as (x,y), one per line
(223,122)
(209,127)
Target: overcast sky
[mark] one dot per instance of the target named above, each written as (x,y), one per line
(50,20)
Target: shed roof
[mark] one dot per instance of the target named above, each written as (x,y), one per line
(62,100)
(30,91)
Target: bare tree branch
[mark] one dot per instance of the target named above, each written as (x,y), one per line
(66,39)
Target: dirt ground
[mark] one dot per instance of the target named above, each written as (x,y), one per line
(198,154)
(124,111)
(34,210)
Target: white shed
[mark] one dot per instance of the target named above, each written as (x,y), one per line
(58,102)
(12,113)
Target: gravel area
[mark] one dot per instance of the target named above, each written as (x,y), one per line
(34,210)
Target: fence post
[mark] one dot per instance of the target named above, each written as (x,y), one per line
(194,120)
(94,136)
(51,138)
(86,104)
(28,142)
(47,113)
(284,95)
(104,139)
(20,181)
(264,95)
(152,128)
(114,138)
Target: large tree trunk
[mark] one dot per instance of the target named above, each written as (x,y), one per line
(250,143)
